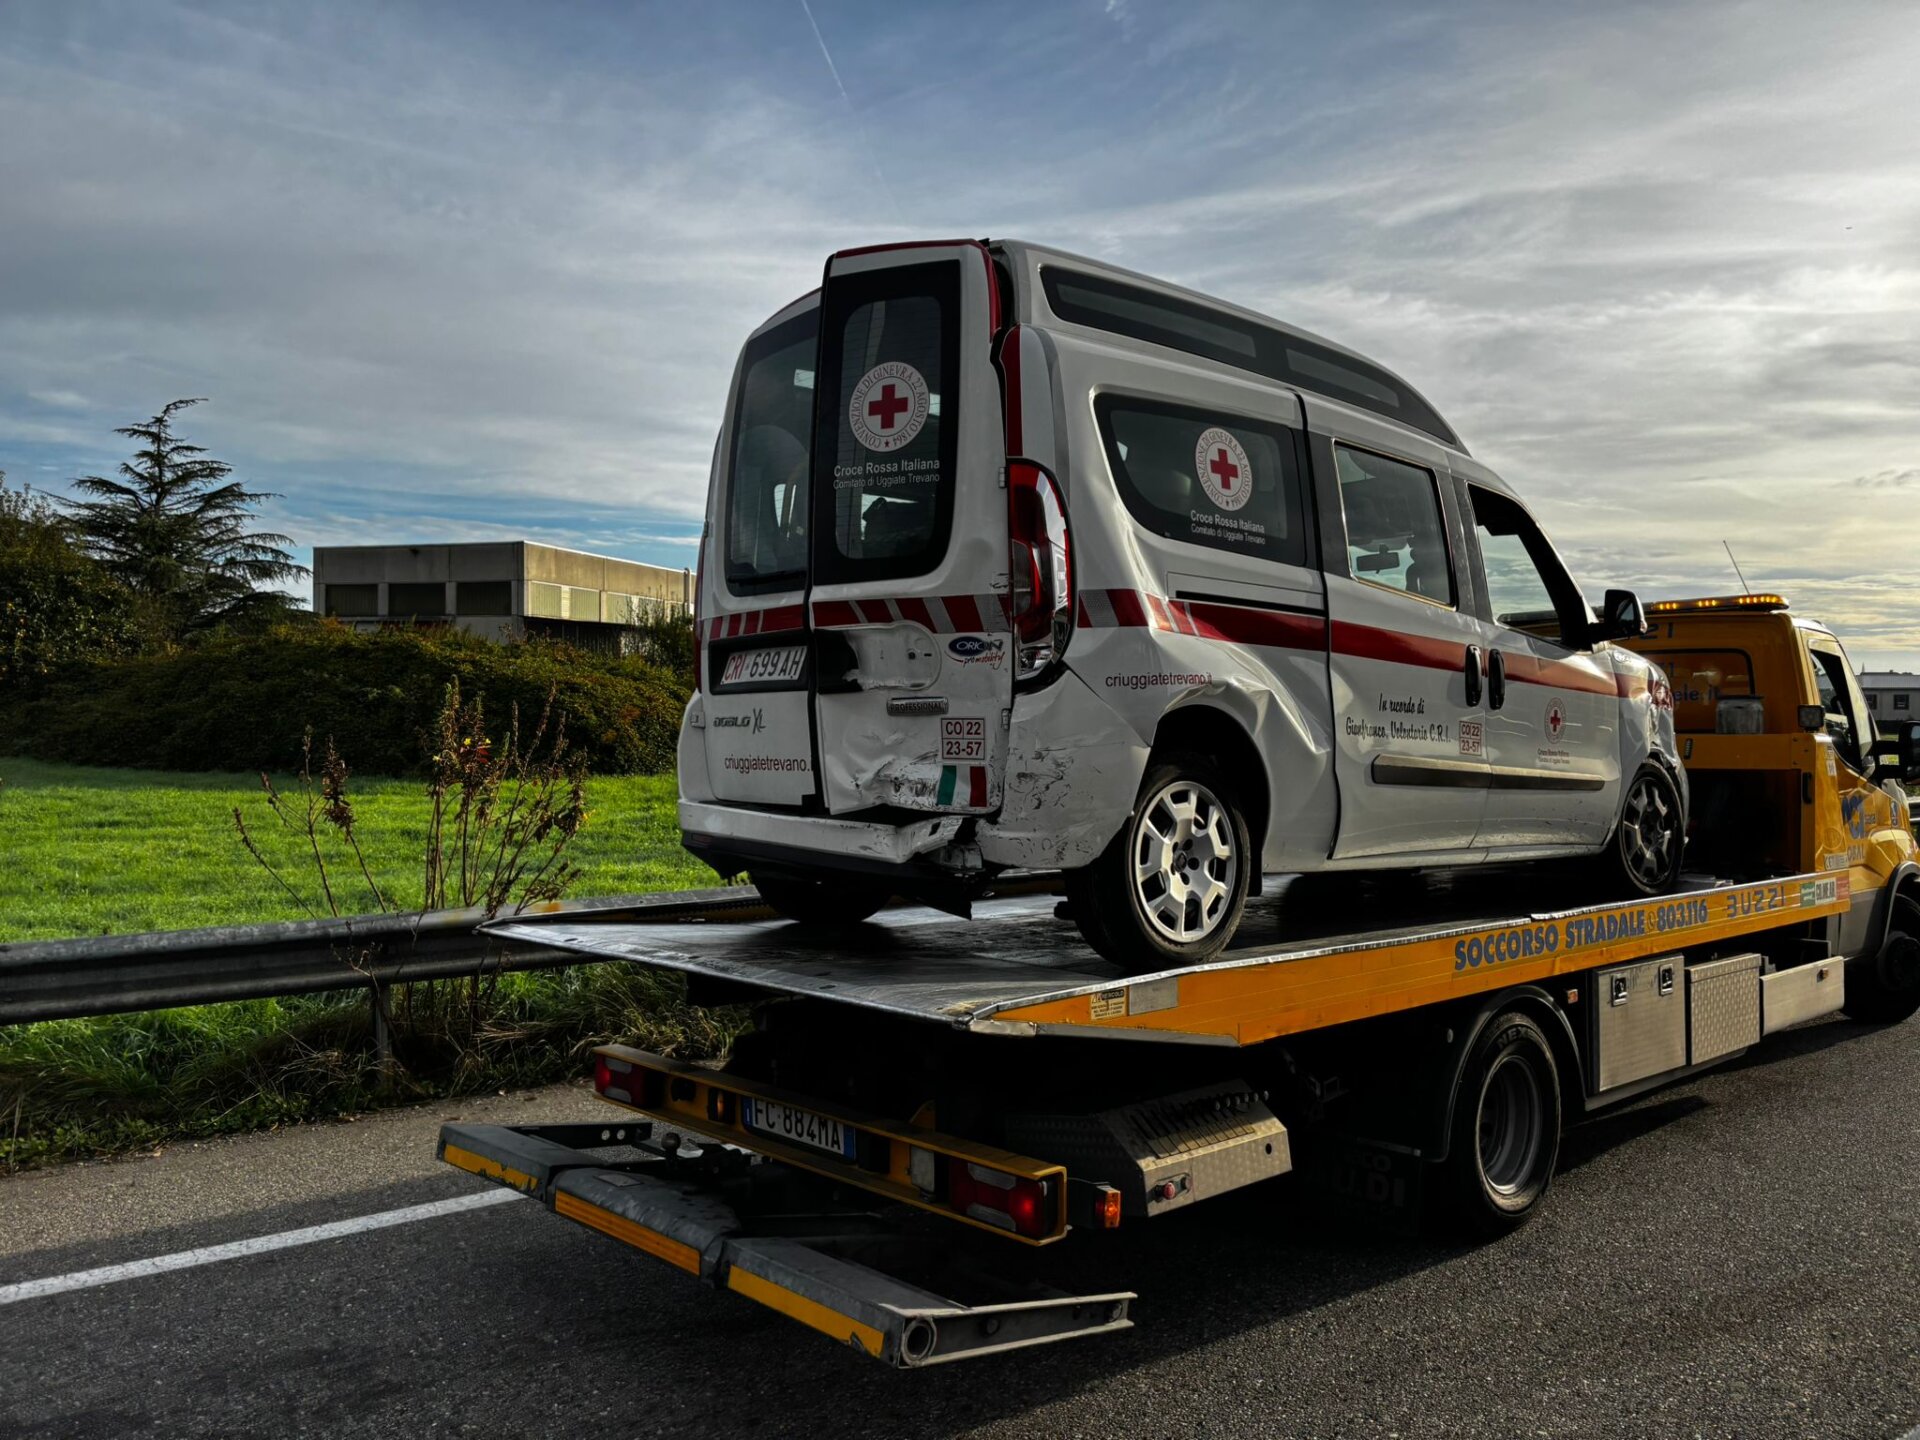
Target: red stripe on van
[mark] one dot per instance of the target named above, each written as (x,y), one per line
(914,610)
(1258,627)
(874,612)
(1157,608)
(977,786)
(1127,608)
(963,612)
(783,617)
(1085,620)
(1369,643)
(835,613)
(1561,676)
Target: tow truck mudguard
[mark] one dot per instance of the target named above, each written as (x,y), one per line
(678,1203)
(1905,880)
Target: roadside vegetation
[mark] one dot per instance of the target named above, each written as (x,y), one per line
(190,748)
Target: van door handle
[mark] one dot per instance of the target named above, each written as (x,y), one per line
(1496,680)
(1473,674)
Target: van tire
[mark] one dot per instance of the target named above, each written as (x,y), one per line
(1131,912)
(1643,853)
(1504,1136)
(824,904)
(1884,988)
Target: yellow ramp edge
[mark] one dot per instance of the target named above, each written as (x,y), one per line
(663,1247)
(492,1169)
(808,1312)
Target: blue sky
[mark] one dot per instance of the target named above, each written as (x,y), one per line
(466,271)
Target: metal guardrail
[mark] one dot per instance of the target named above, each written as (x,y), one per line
(110,974)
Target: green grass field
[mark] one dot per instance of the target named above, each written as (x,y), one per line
(93,852)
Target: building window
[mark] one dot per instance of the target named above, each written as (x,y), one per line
(483,597)
(353,599)
(414,599)
(1873,701)
(1900,701)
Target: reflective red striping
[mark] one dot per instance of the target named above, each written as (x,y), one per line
(1157,608)
(1527,670)
(914,610)
(1127,609)
(753,621)
(783,617)
(834,612)
(1010,380)
(1258,627)
(874,612)
(963,612)
(733,626)
(1366,642)
(1085,620)
(977,786)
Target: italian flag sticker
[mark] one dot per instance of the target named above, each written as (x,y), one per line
(974,777)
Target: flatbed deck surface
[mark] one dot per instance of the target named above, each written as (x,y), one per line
(1313,951)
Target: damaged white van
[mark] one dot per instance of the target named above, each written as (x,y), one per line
(1014,559)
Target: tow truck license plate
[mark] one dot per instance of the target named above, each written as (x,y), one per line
(797,1126)
(773,666)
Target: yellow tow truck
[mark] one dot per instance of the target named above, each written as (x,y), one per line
(927,1106)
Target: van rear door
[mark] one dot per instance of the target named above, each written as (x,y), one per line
(913,650)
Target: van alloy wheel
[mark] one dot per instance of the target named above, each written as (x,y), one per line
(1650,832)
(1185,864)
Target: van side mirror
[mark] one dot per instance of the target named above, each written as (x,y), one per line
(1621,617)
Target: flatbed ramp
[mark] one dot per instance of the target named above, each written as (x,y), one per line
(1309,953)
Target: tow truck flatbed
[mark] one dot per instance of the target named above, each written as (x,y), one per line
(1014,968)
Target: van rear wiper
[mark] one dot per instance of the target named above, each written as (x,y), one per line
(765,577)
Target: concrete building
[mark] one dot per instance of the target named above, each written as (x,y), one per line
(505,591)
(1893,696)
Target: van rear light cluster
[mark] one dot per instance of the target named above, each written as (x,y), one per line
(993,1197)
(1040,562)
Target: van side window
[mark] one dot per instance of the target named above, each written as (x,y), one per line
(1527,587)
(1396,530)
(766,521)
(1207,478)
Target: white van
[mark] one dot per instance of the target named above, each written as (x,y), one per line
(1014,559)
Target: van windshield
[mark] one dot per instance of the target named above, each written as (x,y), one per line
(772,454)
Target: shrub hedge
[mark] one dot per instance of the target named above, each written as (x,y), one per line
(241,702)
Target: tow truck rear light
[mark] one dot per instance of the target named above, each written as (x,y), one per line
(1040,563)
(1010,1202)
(1717,602)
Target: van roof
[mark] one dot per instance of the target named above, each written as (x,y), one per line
(1038,257)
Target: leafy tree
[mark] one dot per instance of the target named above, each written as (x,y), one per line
(175,530)
(56,603)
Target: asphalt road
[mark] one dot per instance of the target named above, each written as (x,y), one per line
(1736,1256)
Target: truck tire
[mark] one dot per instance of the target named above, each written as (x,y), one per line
(1884,989)
(824,903)
(1643,853)
(1171,887)
(1505,1129)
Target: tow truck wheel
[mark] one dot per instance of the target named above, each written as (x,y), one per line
(844,900)
(1644,853)
(1171,887)
(1885,989)
(1506,1128)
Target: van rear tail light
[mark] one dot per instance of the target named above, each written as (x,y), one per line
(1040,562)
(1008,1202)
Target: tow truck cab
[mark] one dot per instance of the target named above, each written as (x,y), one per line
(1786,771)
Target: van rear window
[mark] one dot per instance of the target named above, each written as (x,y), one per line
(1206,478)
(772,441)
(884,473)
(1122,309)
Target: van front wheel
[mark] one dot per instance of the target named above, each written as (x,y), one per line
(820,903)
(1169,890)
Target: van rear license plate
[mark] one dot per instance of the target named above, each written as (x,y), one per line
(775,666)
(797,1126)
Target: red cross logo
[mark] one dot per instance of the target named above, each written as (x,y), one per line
(888,407)
(1556,719)
(1224,469)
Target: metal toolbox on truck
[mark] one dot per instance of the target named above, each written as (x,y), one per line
(1723,1007)
(1639,1021)
(1805,992)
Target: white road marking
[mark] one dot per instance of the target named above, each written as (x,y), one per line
(258,1245)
